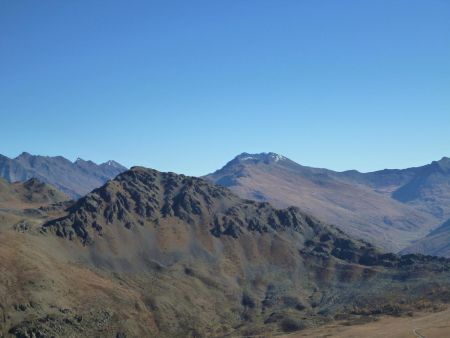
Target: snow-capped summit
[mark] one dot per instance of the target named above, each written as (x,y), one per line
(266,157)
(113,164)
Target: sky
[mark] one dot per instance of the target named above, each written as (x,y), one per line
(185,86)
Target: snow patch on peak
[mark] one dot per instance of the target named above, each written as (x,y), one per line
(113,164)
(246,158)
(276,157)
(260,157)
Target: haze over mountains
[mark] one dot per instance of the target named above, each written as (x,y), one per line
(153,254)
(390,207)
(75,179)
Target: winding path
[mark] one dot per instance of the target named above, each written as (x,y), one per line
(417,333)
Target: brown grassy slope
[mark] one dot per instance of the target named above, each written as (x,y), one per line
(45,293)
(42,284)
(29,194)
(430,325)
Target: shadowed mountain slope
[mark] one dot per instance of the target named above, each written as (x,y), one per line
(361,204)
(166,255)
(73,178)
(429,189)
(436,243)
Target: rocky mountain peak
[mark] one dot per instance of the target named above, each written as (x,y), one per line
(143,197)
(113,164)
(444,163)
(24,155)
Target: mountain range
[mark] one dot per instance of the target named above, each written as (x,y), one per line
(152,254)
(395,209)
(390,208)
(75,179)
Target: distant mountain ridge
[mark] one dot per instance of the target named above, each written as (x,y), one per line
(391,207)
(73,178)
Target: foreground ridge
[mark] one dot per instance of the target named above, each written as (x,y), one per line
(176,256)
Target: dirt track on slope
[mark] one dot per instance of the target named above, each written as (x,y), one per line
(421,325)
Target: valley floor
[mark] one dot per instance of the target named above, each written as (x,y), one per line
(421,325)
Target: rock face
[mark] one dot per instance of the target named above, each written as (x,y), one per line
(190,259)
(146,196)
(390,208)
(73,178)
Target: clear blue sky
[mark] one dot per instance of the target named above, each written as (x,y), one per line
(187,85)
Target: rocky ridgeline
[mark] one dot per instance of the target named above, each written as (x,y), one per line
(142,196)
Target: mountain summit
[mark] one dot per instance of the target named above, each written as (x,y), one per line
(389,208)
(261,157)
